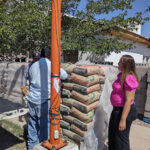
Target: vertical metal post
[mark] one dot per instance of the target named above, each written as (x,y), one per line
(55,142)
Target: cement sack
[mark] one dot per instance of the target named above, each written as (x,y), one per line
(72,135)
(77,130)
(86,90)
(86,99)
(83,126)
(84,117)
(68,86)
(68,67)
(102,86)
(68,118)
(66,93)
(85,108)
(86,81)
(98,132)
(64,109)
(64,124)
(60,100)
(80,88)
(68,101)
(61,131)
(87,70)
(67,80)
(80,106)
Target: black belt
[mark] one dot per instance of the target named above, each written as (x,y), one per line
(115,108)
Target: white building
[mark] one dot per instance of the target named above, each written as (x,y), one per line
(140,51)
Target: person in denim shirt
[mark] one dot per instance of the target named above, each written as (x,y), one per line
(39,99)
(36,57)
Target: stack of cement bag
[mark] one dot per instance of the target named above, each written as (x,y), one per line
(80,97)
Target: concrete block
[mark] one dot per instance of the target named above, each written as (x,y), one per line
(147,114)
(143,84)
(70,146)
(148,99)
(142,77)
(142,91)
(140,104)
(141,70)
(147,104)
(140,110)
(148,89)
(148,77)
(139,98)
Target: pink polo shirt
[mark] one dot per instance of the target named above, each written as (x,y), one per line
(117,97)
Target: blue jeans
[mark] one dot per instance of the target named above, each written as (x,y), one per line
(38,125)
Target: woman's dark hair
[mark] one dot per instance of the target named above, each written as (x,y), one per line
(45,53)
(128,67)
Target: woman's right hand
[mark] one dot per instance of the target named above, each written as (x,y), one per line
(122,125)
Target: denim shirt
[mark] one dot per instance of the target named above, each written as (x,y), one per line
(40,80)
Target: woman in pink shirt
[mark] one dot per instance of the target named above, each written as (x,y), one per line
(122,99)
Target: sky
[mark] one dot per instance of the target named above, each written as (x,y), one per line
(138,5)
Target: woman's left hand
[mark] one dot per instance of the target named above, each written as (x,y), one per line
(122,125)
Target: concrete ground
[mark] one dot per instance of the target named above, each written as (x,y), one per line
(139,137)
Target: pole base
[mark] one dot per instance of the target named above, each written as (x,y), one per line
(48,145)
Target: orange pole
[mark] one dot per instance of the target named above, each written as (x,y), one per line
(55,142)
(55,51)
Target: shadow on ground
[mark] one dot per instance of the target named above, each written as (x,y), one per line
(7,105)
(7,139)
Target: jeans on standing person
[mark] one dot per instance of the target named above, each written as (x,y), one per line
(38,125)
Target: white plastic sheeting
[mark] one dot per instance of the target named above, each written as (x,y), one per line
(98,132)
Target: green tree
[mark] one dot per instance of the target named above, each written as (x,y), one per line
(26,25)
(89,32)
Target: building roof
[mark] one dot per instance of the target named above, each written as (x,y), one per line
(129,35)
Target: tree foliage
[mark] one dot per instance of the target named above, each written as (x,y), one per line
(91,32)
(25,25)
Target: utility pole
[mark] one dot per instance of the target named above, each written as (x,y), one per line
(55,142)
